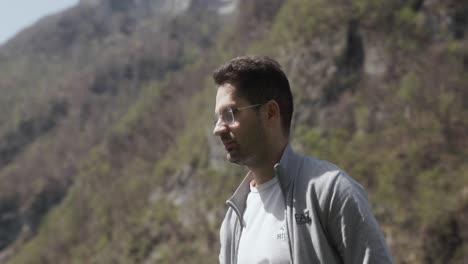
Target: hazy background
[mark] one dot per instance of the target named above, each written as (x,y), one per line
(106,146)
(16,15)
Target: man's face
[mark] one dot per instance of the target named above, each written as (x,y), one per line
(244,138)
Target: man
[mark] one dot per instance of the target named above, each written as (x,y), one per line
(290,208)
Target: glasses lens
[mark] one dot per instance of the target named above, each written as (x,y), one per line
(227,116)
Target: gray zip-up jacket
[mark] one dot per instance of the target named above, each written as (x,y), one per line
(328,217)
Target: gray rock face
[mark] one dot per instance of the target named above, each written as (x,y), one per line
(10,223)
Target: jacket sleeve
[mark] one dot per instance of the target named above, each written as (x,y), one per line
(352,226)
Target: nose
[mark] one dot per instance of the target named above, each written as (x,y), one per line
(219,128)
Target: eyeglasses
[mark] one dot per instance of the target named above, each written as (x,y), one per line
(227,115)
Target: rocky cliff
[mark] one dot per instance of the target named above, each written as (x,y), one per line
(106,152)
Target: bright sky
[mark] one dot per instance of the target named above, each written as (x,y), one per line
(16,15)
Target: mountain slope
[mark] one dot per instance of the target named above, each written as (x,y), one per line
(123,150)
(48,132)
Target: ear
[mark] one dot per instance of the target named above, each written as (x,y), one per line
(272,110)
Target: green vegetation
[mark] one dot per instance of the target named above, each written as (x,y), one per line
(130,173)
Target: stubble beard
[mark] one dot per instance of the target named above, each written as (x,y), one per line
(245,158)
(247,154)
(234,160)
(234,157)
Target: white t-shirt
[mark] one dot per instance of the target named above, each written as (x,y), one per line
(264,236)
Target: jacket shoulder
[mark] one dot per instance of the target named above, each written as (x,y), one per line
(318,171)
(325,180)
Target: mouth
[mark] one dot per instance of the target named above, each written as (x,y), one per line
(229,145)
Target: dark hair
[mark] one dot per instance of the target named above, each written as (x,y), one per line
(259,79)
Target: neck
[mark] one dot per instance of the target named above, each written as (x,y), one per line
(264,171)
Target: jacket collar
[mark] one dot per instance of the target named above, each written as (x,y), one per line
(284,170)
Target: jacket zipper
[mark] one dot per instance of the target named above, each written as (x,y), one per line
(286,217)
(238,225)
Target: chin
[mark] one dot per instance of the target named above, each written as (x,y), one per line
(235,160)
